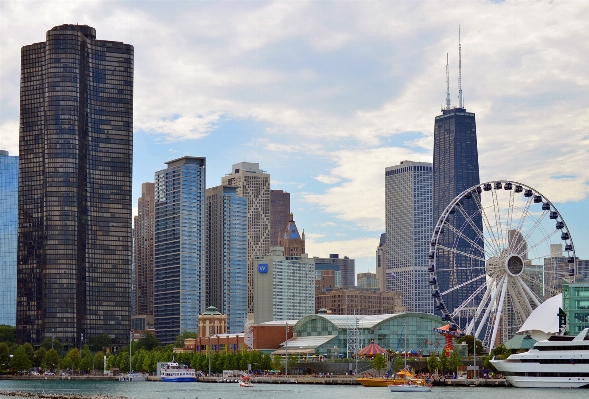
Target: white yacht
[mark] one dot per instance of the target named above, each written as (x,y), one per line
(560,361)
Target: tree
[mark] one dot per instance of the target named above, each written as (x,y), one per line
(20,361)
(499,353)
(66,363)
(398,364)
(454,361)
(150,342)
(4,355)
(39,357)
(444,363)
(86,362)
(49,343)
(433,363)
(379,363)
(98,361)
(293,362)
(29,350)
(277,363)
(180,338)
(51,359)
(266,362)
(100,342)
(74,355)
(7,334)
(469,339)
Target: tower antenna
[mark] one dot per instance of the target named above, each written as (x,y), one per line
(460,103)
(447,84)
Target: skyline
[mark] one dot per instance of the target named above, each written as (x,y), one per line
(326,95)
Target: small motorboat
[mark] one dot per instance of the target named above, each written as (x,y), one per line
(245,382)
(410,388)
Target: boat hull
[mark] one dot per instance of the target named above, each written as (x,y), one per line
(410,388)
(383,382)
(178,379)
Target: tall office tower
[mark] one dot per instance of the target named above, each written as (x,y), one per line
(179,280)
(345,265)
(408,218)
(74,206)
(8,236)
(279,214)
(253,184)
(381,266)
(143,250)
(290,239)
(226,254)
(456,168)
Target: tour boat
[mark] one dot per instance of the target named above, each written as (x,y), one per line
(245,382)
(133,377)
(561,361)
(173,372)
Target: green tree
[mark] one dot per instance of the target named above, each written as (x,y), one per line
(469,339)
(51,359)
(293,362)
(379,363)
(433,364)
(266,362)
(180,338)
(277,363)
(20,361)
(150,342)
(7,334)
(444,362)
(29,350)
(74,355)
(454,361)
(39,357)
(398,364)
(4,355)
(86,362)
(66,363)
(49,343)
(98,361)
(100,342)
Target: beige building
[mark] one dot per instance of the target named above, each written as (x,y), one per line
(253,184)
(365,302)
(211,322)
(368,280)
(290,239)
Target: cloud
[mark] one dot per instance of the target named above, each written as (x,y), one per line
(328,179)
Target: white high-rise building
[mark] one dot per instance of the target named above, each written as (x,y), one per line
(408,215)
(253,184)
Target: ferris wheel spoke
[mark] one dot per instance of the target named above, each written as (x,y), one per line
(525,212)
(466,238)
(499,311)
(494,294)
(479,233)
(470,298)
(510,211)
(463,284)
(514,296)
(523,295)
(498,224)
(528,291)
(543,240)
(537,224)
(453,250)
(495,241)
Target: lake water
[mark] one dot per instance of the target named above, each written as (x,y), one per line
(162,390)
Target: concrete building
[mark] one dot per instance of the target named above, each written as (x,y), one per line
(325,270)
(325,280)
(144,242)
(179,279)
(253,184)
(359,301)
(345,265)
(226,254)
(211,322)
(381,265)
(368,281)
(408,218)
(284,286)
(290,239)
(279,214)
(575,303)
(8,236)
(75,194)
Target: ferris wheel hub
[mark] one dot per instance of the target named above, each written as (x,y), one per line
(514,265)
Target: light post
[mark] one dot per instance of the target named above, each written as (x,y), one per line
(210,352)
(286,352)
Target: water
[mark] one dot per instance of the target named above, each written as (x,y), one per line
(162,390)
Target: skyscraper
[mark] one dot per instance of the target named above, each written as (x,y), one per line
(456,168)
(253,184)
(76,146)
(143,248)
(8,236)
(408,218)
(279,214)
(290,239)
(381,267)
(226,254)
(345,265)
(179,281)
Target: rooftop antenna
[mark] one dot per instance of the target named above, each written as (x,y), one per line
(460,103)
(447,84)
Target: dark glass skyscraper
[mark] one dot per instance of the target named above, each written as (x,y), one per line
(74,238)
(456,168)
(8,236)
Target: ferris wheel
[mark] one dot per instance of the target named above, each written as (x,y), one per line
(498,250)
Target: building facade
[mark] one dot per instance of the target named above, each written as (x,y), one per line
(345,265)
(179,281)
(381,265)
(279,214)
(368,280)
(226,255)
(455,169)
(284,286)
(144,243)
(360,301)
(290,239)
(575,303)
(408,218)
(253,184)
(8,236)
(76,146)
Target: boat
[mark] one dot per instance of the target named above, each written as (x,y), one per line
(245,382)
(131,376)
(173,372)
(409,385)
(561,361)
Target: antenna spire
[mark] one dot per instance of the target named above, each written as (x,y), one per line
(447,84)
(460,103)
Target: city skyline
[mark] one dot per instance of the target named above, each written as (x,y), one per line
(350,96)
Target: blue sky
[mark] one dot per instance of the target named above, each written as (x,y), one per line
(325,95)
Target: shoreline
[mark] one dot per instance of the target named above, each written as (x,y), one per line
(43,395)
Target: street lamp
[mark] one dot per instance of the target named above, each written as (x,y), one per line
(286,352)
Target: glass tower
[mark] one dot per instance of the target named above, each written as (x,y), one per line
(179,282)
(226,255)
(76,147)
(8,236)
(456,168)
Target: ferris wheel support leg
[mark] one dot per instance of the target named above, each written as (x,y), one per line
(518,284)
(488,310)
(478,312)
(528,291)
(498,313)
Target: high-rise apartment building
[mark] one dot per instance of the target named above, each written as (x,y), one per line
(290,239)
(144,242)
(279,214)
(226,255)
(381,266)
(76,147)
(179,281)
(368,281)
(359,301)
(345,266)
(455,169)
(8,236)
(408,219)
(253,184)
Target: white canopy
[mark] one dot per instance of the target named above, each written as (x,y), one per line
(543,322)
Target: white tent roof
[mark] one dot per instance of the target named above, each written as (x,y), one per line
(543,321)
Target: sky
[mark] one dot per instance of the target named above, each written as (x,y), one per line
(325,95)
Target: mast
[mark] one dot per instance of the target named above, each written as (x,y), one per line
(130,347)
(447,84)
(460,103)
